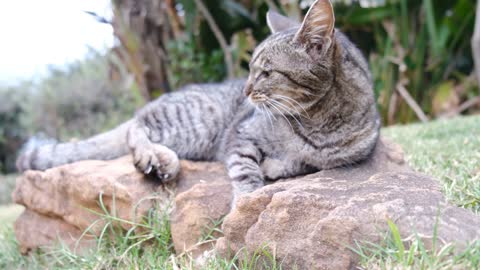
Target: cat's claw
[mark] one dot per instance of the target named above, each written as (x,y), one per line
(157,160)
(148,170)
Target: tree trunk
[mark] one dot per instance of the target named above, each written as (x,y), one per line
(144,27)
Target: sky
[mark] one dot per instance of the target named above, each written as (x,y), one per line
(37,33)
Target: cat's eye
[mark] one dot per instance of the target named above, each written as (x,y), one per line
(265,74)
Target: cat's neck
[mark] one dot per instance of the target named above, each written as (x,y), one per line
(335,108)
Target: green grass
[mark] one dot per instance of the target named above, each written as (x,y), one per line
(7,184)
(8,214)
(448,150)
(411,253)
(147,245)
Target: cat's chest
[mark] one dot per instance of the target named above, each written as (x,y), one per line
(276,138)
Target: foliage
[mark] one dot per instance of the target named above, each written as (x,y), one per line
(422,47)
(190,65)
(7,185)
(419,45)
(76,101)
(12,133)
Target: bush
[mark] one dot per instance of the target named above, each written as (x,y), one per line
(12,132)
(420,46)
(77,101)
(418,50)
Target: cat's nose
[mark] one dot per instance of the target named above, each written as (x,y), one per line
(248,90)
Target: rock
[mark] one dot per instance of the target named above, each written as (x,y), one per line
(67,191)
(197,210)
(204,196)
(204,193)
(58,198)
(34,230)
(310,222)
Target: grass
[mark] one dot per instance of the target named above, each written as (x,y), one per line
(147,245)
(7,184)
(448,150)
(396,253)
(8,214)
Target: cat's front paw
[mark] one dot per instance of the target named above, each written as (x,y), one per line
(273,169)
(157,160)
(242,188)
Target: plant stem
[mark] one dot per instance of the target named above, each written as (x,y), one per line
(218,34)
(412,103)
(476,44)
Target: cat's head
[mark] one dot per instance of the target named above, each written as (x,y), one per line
(295,66)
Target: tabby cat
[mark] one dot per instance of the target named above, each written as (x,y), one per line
(307,105)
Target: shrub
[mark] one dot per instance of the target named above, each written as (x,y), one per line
(76,101)
(12,132)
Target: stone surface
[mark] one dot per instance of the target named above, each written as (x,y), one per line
(310,222)
(67,191)
(204,195)
(57,200)
(34,230)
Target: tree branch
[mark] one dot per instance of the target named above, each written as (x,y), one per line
(218,34)
(476,44)
(465,106)
(412,103)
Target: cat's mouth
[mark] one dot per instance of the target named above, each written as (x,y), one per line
(258,99)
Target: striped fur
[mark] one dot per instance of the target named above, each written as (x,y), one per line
(307,105)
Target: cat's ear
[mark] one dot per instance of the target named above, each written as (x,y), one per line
(318,26)
(278,23)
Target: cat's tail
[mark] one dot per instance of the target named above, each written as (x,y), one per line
(105,146)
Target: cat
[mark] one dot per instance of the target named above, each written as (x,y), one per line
(307,105)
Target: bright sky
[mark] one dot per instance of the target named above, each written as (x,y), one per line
(38,33)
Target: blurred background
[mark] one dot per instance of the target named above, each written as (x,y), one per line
(70,69)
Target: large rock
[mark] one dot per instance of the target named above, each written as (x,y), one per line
(313,221)
(34,230)
(203,197)
(67,192)
(57,200)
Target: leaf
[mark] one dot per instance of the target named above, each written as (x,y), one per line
(397,239)
(445,98)
(360,16)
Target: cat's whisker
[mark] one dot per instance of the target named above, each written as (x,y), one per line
(289,110)
(267,113)
(286,109)
(281,113)
(290,100)
(270,113)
